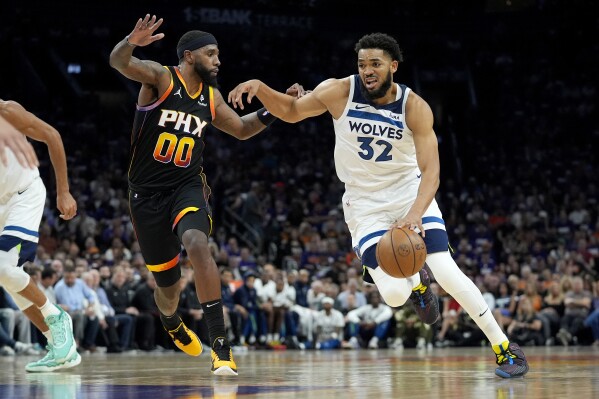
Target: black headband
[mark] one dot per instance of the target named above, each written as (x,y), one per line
(196,44)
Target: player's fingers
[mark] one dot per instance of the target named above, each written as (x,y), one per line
(145,20)
(157,25)
(138,24)
(29,154)
(422,232)
(3,155)
(157,37)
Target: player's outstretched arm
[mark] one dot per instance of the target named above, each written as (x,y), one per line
(248,125)
(33,127)
(289,108)
(121,57)
(13,139)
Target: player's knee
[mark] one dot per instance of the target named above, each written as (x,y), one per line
(13,278)
(394,296)
(196,243)
(393,293)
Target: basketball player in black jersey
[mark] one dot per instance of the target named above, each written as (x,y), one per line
(168,193)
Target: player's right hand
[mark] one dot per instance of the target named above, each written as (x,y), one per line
(236,95)
(143,33)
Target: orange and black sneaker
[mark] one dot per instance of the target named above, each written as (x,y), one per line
(222,358)
(186,340)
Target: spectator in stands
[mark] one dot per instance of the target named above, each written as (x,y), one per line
(351,298)
(151,331)
(246,298)
(578,304)
(592,320)
(329,324)
(410,331)
(526,328)
(369,323)
(78,301)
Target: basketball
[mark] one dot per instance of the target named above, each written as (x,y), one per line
(401,252)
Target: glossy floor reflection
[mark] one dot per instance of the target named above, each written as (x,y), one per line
(441,373)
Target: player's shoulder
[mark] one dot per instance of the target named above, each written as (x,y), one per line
(334,88)
(336,83)
(416,104)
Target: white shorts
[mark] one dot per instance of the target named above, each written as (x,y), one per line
(20,219)
(369,217)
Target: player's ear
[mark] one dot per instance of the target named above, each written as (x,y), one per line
(394,65)
(188,57)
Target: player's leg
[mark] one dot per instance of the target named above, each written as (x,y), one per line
(396,291)
(368,219)
(449,276)
(18,244)
(161,251)
(193,228)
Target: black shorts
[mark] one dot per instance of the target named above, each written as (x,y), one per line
(161,218)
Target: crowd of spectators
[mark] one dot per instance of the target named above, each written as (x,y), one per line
(519,196)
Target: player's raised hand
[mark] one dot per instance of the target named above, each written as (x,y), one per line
(67,205)
(236,95)
(143,33)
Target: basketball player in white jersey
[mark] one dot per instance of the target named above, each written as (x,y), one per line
(386,154)
(22,198)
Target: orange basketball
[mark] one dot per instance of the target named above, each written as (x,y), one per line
(401,252)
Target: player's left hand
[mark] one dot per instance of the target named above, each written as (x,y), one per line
(411,222)
(236,95)
(67,206)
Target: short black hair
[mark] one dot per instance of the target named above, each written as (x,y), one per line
(191,36)
(48,272)
(381,41)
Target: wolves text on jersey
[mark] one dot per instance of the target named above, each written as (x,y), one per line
(376,130)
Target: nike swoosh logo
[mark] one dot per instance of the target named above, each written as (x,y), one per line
(481,315)
(211,305)
(21,192)
(362,106)
(418,176)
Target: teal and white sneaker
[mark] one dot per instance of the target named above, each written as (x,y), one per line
(49,363)
(61,328)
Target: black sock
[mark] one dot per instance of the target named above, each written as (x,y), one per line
(213,313)
(170,322)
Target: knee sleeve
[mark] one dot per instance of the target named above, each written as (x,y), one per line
(13,278)
(394,291)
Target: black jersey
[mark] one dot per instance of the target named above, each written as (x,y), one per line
(167,138)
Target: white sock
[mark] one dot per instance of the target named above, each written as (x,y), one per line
(48,336)
(49,309)
(462,289)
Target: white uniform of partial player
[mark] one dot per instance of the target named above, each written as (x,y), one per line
(22,199)
(375,157)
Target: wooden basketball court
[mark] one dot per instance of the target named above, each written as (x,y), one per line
(556,372)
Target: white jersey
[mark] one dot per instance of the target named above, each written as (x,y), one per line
(374,147)
(14,177)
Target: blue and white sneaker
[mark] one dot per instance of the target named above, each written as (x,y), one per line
(49,363)
(63,342)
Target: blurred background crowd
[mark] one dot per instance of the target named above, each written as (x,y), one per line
(513,89)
